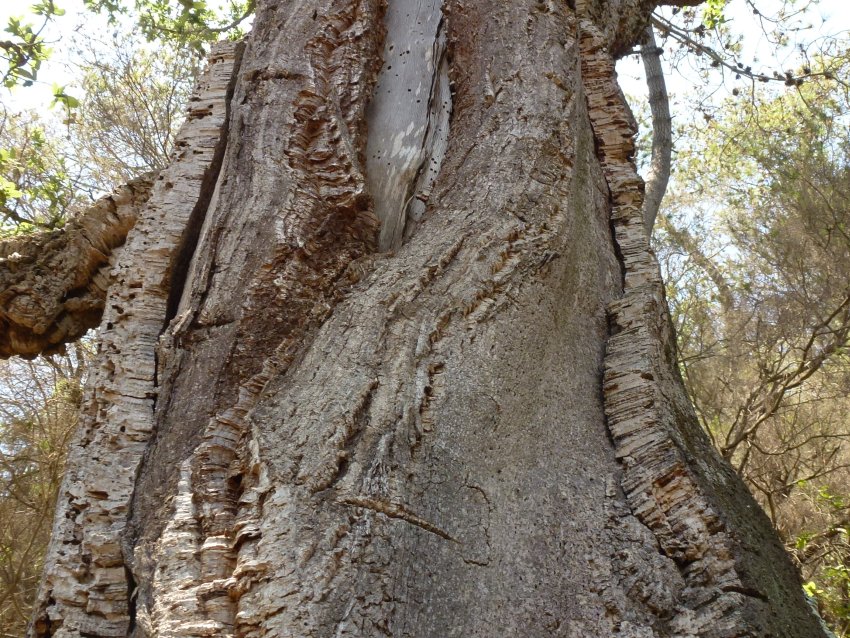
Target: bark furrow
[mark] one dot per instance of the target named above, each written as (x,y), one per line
(675,483)
(85,591)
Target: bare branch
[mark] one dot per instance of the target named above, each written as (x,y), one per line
(662,134)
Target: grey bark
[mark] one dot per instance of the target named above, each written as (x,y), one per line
(479,433)
(662,129)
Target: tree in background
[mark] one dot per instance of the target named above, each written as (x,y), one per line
(36,188)
(39,406)
(756,248)
(134,106)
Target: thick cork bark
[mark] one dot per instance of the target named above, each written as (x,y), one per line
(85,591)
(736,574)
(53,284)
(377,404)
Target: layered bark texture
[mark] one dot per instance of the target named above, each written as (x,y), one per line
(375,407)
(53,284)
(85,590)
(737,577)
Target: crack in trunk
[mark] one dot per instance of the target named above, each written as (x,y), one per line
(185,251)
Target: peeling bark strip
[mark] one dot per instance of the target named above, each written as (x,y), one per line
(85,592)
(739,584)
(408,117)
(201,563)
(53,284)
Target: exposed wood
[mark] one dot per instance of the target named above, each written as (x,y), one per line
(408,116)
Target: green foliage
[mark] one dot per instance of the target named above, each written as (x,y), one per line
(60,97)
(23,55)
(124,126)
(812,590)
(185,23)
(712,13)
(36,188)
(756,248)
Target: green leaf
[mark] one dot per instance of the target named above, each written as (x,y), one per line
(9,190)
(61,97)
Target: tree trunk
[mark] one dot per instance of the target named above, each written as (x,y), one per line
(387,354)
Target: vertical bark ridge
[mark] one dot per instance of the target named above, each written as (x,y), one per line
(38,313)
(202,558)
(85,592)
(674,481)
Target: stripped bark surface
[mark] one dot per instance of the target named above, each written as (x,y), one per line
(357,436)
(408,117)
